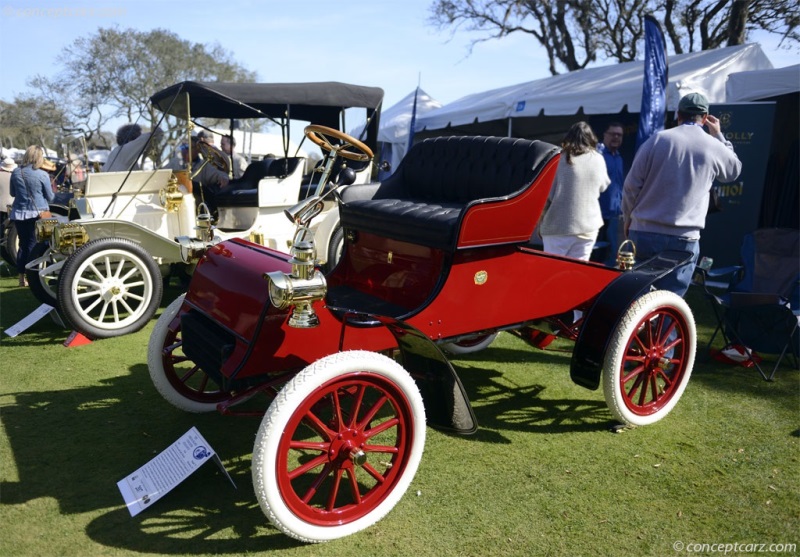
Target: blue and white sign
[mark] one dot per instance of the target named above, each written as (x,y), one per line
(155,479)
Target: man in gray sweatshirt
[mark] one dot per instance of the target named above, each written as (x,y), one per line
(666,193)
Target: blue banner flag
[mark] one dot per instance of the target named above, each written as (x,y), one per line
(413,121)
(654,89)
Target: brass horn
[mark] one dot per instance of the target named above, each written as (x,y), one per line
(302,213)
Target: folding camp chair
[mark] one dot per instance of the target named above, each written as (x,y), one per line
(759,308)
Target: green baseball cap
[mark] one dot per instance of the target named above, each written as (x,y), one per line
(693,103)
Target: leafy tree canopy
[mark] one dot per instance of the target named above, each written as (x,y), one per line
(110,76)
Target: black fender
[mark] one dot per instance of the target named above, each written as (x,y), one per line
(603,317)
(447,406)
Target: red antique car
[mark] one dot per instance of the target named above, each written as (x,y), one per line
(436,254)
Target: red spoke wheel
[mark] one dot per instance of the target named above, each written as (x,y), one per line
(339,446)
(650,358)
(179,380)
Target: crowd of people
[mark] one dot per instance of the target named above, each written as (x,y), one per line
(660,202)
(27,189)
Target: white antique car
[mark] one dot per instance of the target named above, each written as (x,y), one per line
(103,266)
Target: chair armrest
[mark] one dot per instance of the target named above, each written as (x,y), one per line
(724,271)
(710,277)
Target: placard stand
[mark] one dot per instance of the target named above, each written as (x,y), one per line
(74,339)
(177,462)
(33,317)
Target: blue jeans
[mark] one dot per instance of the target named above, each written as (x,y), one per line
(26,233)
(649,244)
(614,236)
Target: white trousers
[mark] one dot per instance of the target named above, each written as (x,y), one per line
(579,247)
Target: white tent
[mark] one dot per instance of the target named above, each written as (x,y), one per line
(396,124)
(762,84)
(601,90)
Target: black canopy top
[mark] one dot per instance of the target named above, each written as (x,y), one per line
(312,102)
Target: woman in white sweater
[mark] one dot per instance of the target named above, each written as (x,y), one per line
(572,215)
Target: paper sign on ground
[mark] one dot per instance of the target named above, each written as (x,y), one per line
(155,479)
(32,318)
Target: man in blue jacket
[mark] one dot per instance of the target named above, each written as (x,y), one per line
(611,199)
(666,193)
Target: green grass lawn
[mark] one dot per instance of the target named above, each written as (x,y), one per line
(544,474)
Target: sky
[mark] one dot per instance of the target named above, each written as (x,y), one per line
(384,43)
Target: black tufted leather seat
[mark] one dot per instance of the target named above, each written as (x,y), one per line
(424,201)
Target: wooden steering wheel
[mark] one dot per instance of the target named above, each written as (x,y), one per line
(321,136)
(213,156)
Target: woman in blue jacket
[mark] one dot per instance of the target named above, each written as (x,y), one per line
(32,192)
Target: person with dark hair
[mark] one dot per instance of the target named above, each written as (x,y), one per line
(32,191)
(239,163)
(572,217)
(130,144)
(206,137)
(611,199)
(666,193)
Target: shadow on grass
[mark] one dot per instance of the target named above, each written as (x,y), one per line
(502,405)
(221,529)
(73,445)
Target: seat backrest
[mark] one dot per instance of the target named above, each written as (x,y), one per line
(126,183)
(460,169)
(771,259)
(252,175)
(284,166)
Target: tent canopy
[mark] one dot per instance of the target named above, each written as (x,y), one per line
(395,120)
(396,124)
(762,84)
(601,90)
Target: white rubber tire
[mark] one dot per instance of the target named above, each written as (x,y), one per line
(655,312)
(155,364)
(470,345)
(109,287)
(320,376)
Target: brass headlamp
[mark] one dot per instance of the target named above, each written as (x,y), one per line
(44,229)
(300,289)
(68,237)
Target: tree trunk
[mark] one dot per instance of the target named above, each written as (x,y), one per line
(738,22)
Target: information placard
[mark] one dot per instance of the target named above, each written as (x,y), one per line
(155,479)
(29,320)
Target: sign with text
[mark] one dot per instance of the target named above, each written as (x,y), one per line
(155,479)
(748,126)
(35,316)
